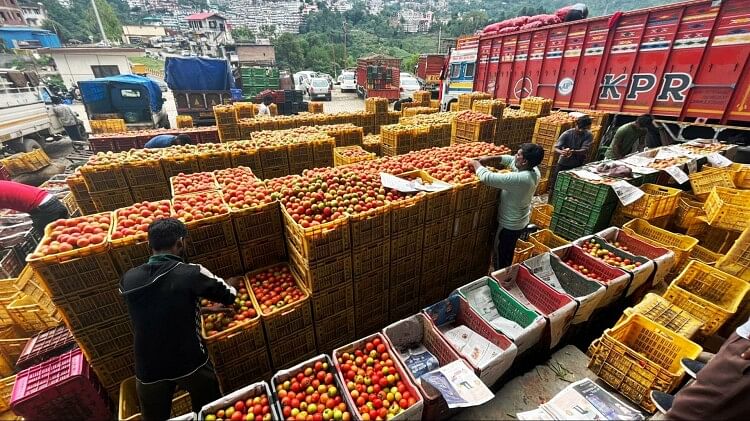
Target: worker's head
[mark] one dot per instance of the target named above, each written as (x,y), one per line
(56,100)
(529,156)
(182,139)
(268,100)
(167,236)
(644,121)
(583,123)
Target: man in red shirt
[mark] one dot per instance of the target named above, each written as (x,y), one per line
(38,203)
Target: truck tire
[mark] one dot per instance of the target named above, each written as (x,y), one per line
(28,145)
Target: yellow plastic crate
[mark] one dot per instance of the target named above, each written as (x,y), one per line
(703,182)
(690,215)
(541,215)
(680,244)
(728,208)
(6,389)
(736,261)
(657,201)
(546,240)
(658,309)
(638,356)
(707,293)
(30,316)
(523,251)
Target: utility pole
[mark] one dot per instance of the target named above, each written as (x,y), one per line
(346,56)
(99,22)
(440,33)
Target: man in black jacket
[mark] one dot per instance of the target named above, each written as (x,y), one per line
(163,301)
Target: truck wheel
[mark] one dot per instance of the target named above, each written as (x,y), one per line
(28,145)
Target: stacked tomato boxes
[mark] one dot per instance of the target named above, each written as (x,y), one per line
(75,262)
(256,217)
(106,182)
(145,175)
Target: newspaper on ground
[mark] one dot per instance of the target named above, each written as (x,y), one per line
(458,385)
(479,351)
(408,186)
(583,400)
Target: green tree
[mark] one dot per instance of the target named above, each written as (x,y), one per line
(243,34)
(110,22)
(289,52)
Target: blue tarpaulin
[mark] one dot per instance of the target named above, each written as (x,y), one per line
(198,74)
(96,92)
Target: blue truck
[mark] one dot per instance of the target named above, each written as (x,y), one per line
(136,99)
(198,84)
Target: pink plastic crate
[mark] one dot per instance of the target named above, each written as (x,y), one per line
(44,345)
(531,291)
(62,387)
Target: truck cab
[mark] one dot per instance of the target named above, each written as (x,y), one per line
(135,99)
(26,109)
(459,75)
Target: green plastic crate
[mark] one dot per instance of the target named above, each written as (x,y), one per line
(584,212)
(571,229)
(595,194)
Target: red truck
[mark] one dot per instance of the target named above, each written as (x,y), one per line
(686,62)
(378,76)
(429,67)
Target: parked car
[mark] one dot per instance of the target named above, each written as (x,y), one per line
(302,80)
(348,82)
(409,85)
(319,87)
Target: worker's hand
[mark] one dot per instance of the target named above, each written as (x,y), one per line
(474,163)
(746,355)
(567,152)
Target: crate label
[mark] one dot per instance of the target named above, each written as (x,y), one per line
(692,166)
(718,160)
(677,174)
(626,192)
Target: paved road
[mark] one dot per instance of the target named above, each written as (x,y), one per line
(341,102)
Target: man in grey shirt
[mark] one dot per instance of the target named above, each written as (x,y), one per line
(66,117)
(573,148)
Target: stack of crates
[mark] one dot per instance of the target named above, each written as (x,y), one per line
(112,125)
(407,225)
(80,193)
(239,353)
(423,98)
(493,107)
(398,139)
(440,211)
(466,101)
(83,284)
(370,258)
(260,236)
(226,120)
(258,79)
(515,128)
(371,143)
(315,107)
(145,175)
(469,127)
(62,386)
(345,134)
(321,256)
(106,184)
(45,345)
(244,110)
(580,207)
(546,132)
(416,110)
(537,105)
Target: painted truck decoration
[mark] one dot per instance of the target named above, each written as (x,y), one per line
(686,60)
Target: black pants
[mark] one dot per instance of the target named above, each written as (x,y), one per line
(73,132)
(505,247)
(553,178)
(47,212)
(156,398)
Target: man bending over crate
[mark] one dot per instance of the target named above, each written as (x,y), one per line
(518,189)
(41,206)
(163,302)
(167,140)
